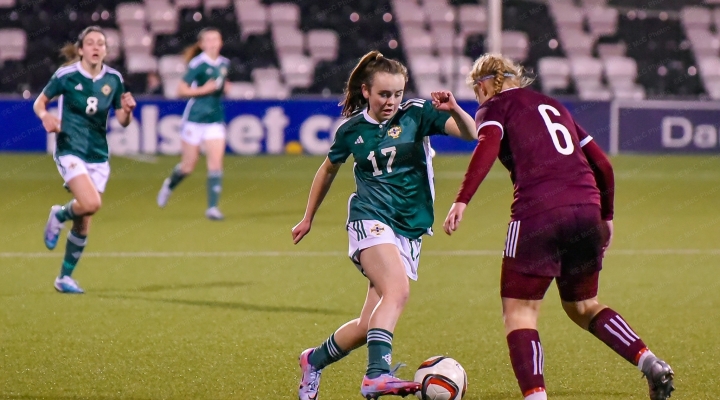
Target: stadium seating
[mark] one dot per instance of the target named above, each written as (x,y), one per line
(595,49)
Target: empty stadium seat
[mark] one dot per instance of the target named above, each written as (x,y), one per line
(253,18)
(620,71)
(586,72)
(170,87)
(602,21)
(163,18)
(288,40)
(172,66)
(416,41)
(112,43)
(136,40)
(141,63)
(241,91)
(267,84)
(130,14)
(472,19)
(424,66)
(515,45)
(703,43)
(409,16)
(695,18)
(284,14)
(180,4)
(575,42)
(567,17)
(215,4)
(322,44)
(13,43)
(297,70)
(554,73)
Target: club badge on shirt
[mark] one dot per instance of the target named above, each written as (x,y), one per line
(394,131)
(106,89)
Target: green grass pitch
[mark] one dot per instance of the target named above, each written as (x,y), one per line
(178,307)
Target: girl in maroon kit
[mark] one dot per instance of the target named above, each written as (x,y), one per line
(561,221)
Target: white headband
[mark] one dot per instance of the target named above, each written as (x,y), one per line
(486,77)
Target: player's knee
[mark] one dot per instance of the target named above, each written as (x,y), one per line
(93,206)
(187,167)
(581,312)
(399,296)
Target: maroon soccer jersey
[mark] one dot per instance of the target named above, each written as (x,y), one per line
(541,149)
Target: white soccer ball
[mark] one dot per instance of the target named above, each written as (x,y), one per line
(442,378)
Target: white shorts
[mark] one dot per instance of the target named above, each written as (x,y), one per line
(71,166)
(195,133)
(368,233)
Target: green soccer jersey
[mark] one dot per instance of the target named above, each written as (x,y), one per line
(393,168)
(84,104)
(206,109)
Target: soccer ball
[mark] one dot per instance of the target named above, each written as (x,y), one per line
(442,378)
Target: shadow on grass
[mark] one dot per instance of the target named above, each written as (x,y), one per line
(160,288)
(232,306)
(67,397)
(554,394)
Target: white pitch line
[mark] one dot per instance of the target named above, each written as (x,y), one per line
(239,254)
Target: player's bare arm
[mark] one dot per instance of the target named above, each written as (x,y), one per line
(124,114)
(461,124)
(320,186)
(184,90)
(50,122)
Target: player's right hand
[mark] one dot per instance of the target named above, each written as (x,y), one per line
(209,87)
(51,123)
(300,230)
(452,222)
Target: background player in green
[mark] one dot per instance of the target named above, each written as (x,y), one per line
(87,89)
(388,214)
(203,119)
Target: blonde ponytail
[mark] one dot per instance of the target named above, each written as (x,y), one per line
(500,69)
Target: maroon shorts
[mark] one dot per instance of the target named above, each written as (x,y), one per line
(564,243)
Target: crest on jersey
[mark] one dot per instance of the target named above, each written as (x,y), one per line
(377,229)
(223,71)
(106,89)
(394,131)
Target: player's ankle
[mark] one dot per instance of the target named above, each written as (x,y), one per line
(537,393)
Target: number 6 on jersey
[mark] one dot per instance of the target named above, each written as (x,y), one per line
(554,127)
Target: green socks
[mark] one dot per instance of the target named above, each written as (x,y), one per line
(327,353)
(66,212)
(75,246)
(214,187)
(379,343)
(176,177)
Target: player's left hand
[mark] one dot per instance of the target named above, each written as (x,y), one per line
(452,222)
(127,102)
(443,100)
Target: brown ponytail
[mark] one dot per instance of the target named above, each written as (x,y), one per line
(70,50)
(363,73)
(194,49)
(70,53)
(191,52)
